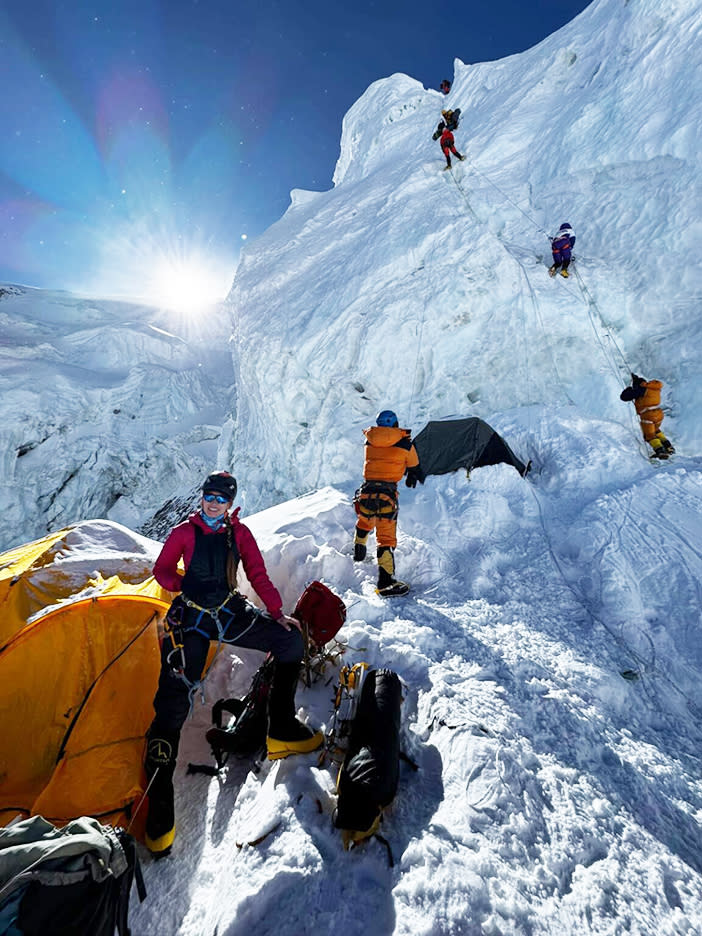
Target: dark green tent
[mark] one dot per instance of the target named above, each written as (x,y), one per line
(448,445)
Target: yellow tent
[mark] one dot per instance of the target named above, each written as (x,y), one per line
(79,664)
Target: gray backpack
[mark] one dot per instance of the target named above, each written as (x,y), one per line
(58,882)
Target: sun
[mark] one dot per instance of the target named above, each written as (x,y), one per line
(187,284)
(144,261)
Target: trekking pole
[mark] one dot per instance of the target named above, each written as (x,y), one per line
(143,797)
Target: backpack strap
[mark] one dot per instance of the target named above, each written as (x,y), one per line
(132,874)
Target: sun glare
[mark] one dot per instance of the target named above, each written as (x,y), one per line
(187,285)
(160,269)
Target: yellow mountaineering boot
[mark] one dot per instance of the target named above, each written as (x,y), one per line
(659,451)
(351,837)
(388,585)
(161,846)
(666,443)
(278,748)
(287,735)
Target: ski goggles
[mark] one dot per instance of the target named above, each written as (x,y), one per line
(220,498)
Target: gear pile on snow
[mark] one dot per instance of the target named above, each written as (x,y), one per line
(246,733)
(367,724)
(321,614)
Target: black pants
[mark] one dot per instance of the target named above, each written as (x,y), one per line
(243,626)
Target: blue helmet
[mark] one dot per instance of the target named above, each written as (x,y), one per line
(386,417)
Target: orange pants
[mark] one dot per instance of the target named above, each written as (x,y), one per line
(651,423)
(385,530)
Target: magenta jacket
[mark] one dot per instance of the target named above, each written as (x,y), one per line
(180,544)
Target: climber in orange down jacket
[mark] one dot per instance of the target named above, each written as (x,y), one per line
(389,453)
(646,395)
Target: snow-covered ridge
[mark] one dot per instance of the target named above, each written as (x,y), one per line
(372,132)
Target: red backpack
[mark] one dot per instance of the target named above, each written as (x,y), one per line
(321,613)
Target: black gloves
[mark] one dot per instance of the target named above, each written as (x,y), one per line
(635,392)
(413,475)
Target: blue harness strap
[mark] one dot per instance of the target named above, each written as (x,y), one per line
(179,650)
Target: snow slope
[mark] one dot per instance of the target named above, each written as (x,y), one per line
(555,795)
(551,644)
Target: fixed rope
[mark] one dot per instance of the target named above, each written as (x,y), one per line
(507,198)
(592,306)
(592,311)
(542,326)
(420,336)
(587,296)
(532,295)
(645,666)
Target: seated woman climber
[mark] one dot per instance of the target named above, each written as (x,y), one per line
(210,543)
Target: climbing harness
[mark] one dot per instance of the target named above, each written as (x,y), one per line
(175,631)
(376,499)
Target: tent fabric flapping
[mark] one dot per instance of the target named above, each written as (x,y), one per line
(447,445)
(79,665)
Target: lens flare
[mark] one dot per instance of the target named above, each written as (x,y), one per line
(124,180)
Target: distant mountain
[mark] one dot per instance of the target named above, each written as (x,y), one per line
(106,411)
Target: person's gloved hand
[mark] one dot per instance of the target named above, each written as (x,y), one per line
(414,475)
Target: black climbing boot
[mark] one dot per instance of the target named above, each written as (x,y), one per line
(287,735)
(159,764)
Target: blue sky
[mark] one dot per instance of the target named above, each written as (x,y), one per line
(145,135)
